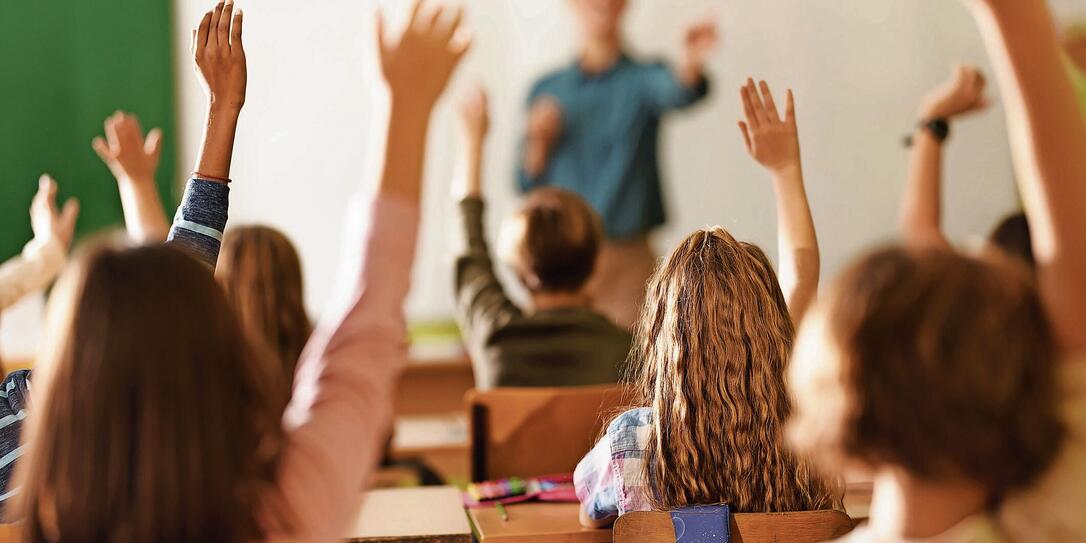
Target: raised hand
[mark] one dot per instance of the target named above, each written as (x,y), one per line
(220,56)
(771,140)
(46,221)
(418,66)
(474,125)
(700,40)
(963,93)
(125,151)
(544,127)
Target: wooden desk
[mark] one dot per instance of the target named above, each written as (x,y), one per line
(434,386)
(418,515)
(534,522)
(439,440)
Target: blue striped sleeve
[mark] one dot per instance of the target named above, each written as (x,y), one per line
(201,219)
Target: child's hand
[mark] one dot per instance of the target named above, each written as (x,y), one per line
(45,220)
(220,56)
(962,94)
(418,67)
(772,141)
(475,115)
(128,155)
(544,127)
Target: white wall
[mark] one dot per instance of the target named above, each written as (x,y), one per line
(858,69)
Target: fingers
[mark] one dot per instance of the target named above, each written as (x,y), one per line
(790,109)
(192,44)
(748,108)
(213,27)
(102,149)
(416,12)
(69,214)
(47,193)
(236,33)
(756,102)
(770,105)
(461,44)
(745,130)
(203,32)
(449,30)
(111,129)
(223,29)
(153,146)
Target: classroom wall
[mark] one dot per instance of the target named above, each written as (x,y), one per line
(858,69)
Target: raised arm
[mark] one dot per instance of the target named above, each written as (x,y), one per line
(133,161)
(1048,141)
(687,83)
(481,302)
(774,143)
(45,255)
(921,208)
(341,409)
(219,55)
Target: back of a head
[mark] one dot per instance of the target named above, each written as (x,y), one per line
(152,421)
(261,273)
(553,241)
(1012,236)
(946,369)
(709,355)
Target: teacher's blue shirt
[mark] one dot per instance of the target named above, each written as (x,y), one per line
(607,151)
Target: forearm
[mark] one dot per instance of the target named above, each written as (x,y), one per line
(201,220)
(799,259)
(144,216)
(921,211)
(1048,139)
(217,148)
(405,150)
(33,270)
(469,171)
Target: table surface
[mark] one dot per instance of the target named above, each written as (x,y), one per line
(534,522)
(426,514)
(559,522)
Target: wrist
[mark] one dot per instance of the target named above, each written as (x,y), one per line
(790,172)
(225,108)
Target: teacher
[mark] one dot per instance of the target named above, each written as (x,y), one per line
(593,128)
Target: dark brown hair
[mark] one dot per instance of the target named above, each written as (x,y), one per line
(557,241)
(262,275)
(949,365)
(152,420)
(708,357)
(1012,236)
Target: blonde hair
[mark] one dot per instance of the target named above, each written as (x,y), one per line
(709,354)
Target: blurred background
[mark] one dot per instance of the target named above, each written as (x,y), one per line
(858,69)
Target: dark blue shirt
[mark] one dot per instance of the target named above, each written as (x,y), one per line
(607,151)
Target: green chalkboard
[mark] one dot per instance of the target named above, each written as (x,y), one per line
(65,65)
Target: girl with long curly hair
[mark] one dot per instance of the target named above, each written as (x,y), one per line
(709,355)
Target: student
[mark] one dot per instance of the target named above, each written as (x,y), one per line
(710,353)
(555,238)
(40,262)
(1048,136)
(952,378)
(933,373)
(258,266)
(148,380)
(921,209)
(593,128)
(261,273)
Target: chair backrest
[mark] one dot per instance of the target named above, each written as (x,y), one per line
(799,527)
(526,432)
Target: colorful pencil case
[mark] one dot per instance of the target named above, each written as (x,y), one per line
(551,488)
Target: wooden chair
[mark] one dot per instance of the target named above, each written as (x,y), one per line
(801,527)
(525,432)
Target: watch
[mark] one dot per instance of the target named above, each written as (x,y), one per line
(938,128)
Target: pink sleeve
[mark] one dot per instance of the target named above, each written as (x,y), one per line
(341,410)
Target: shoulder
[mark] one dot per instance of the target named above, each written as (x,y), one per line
(629,430)
(552,79)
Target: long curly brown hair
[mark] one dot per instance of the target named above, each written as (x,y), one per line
(709,358)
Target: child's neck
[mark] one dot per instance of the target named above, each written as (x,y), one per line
(546,301)
(600,53)
(904,507)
